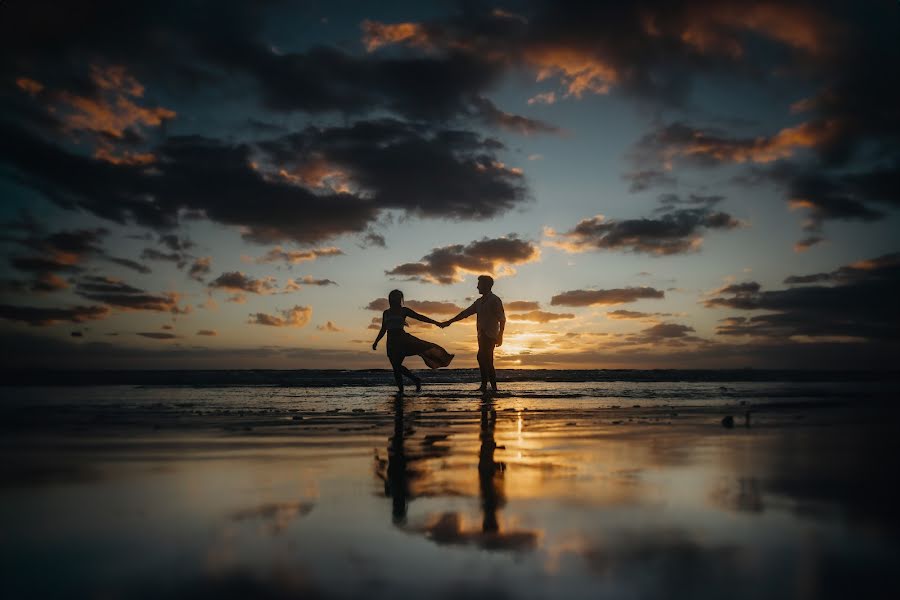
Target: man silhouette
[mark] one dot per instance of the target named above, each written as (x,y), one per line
(490,323)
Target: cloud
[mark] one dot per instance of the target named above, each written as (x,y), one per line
(236,281)
(807,243)
(293,285)
(521,305)
(298,316)
(675,231)
(130,264)
(387,165)
(540,316)
(292,257)
(634,315)
(157,335)
(857,304)
(449,264)
(207,332)
(652,50)
(605,297)
(708,147)
(435,307)
(119,294)
(200,268)
(664,333)
(543,98)
(43,316)
(329,327)
(515,123)
(175,243)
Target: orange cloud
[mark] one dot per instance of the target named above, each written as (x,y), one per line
(125,158)
(29,86)
(376,35)
(298,316)
(296,256)
(580,71)
(540,316)
(329,327)
(709,28)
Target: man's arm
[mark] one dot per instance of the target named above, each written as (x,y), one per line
(463,315)
(502,315)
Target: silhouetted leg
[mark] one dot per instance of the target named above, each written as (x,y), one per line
(414,379)
(483,361)
(486,363)
(397,364)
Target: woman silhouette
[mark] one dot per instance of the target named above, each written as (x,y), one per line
(401,344)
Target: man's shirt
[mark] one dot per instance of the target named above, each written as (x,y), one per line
(489,314)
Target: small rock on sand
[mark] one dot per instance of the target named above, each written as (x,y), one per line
(728,422)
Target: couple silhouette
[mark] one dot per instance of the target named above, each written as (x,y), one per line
(490,323)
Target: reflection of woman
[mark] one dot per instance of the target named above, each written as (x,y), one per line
(401,344)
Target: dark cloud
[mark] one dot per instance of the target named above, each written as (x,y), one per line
(200,268)
(60,252)
(157,335)
(130,264)
(373,239)
(298,316)
(449,264)
(118,294)
(236,281)
(515,123)
(605,297)
(675,231)
(175,243)
(41,316)
(376,166)
(634,315)
(807,243)
(664,333)
(652,50)
(428,172)
(859,304)
(295,284)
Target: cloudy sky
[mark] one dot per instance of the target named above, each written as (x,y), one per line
(709,183)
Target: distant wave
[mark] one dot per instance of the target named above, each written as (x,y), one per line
(377,377)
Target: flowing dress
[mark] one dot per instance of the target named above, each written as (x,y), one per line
(401,344)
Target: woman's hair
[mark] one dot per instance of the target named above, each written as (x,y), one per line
(395,298)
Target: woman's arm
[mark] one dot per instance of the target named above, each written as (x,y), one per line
(380,334)
(411,313)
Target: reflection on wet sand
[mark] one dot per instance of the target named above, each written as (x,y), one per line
(405,473)
(513,498)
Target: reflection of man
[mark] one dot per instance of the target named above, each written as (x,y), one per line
(490,323)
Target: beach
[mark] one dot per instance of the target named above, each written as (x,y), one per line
(626,488)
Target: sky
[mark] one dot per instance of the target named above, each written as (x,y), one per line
(226,185)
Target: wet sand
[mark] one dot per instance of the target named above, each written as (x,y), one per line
(445,494)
